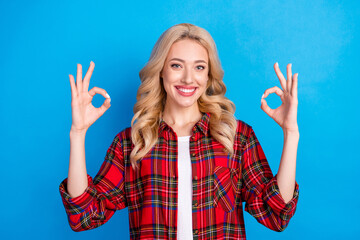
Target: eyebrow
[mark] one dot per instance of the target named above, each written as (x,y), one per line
(180,60)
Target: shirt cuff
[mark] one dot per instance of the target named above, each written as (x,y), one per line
(77,204)
(276,202)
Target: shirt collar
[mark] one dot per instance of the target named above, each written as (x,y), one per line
(201,126)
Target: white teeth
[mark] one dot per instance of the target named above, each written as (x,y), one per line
(185,90)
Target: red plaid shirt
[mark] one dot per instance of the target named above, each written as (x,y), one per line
(220,186)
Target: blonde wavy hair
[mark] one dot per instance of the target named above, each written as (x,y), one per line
(151,95)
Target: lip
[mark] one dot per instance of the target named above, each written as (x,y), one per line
(185,94)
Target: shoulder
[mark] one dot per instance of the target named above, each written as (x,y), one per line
(125,133)
(122,144)
(123,138)
(244,134)
(243,128)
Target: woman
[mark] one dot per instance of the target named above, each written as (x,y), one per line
(186,165)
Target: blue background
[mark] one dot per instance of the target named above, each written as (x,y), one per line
(41,43)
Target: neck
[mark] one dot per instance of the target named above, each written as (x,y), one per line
(182,120)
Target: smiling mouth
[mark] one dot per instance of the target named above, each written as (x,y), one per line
(186,90)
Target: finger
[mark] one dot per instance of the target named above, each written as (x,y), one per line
(289,77)
(79,78)
(88,76)
(105,106)
(280,76)
(266,108)
(96,90)
(294,85)
(275,89)
(73,87)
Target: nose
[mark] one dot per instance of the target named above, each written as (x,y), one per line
(187,77)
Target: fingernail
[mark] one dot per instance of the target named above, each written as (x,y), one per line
(107,95)
(262,96)
(277,64)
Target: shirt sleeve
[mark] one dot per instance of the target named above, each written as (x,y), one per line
(103,196)
(260,189)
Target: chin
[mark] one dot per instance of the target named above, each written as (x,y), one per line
(186,104)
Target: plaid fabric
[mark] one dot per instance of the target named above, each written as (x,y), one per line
(220,186)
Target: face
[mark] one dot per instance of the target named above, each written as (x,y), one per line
(185,73)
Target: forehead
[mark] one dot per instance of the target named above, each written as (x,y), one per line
(188,50)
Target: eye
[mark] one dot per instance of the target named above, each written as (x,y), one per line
(200,67)
(175,65)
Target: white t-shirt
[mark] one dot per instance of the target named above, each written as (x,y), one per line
(184,225)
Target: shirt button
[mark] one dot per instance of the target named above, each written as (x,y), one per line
(196,231)
(174,176)
(195,204)
(196,178)
(194,154)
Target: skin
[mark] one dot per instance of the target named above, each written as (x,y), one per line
(84,114)
(186,66)
(286,116)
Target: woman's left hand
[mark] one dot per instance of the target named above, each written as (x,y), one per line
(286,114)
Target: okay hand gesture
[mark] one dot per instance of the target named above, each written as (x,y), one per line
(84,114)
(286,114)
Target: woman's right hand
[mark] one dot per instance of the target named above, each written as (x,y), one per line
(84,114)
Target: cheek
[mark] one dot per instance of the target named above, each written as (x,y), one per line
(171,77)
(168,80)
(166,85)
(202,80)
